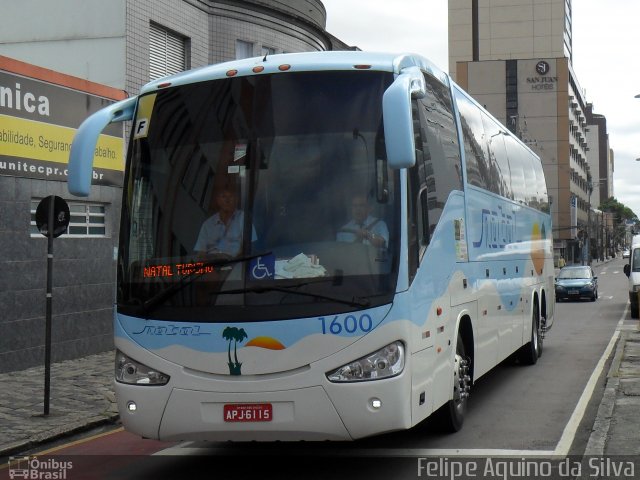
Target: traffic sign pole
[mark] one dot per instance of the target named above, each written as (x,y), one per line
(52,220)
(47,342)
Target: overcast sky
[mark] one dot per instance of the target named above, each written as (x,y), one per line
(606,60)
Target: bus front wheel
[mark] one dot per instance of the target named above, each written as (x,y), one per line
(454,411)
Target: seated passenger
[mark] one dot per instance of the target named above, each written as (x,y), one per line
(363,228)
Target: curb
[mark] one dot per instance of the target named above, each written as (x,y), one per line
(602,423)
(22,446)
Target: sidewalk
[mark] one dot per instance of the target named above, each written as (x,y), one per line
(615,429)
(81,397)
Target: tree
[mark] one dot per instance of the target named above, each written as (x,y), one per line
(621,214)
(236,335)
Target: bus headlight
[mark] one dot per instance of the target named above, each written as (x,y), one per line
(135,373)
(386,362)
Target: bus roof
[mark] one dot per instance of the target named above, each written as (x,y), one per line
(300,62)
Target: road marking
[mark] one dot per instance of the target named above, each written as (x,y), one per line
(605,296)
(571,428)
(185,450)
(80,442)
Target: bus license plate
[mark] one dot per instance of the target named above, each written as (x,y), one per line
(248,412)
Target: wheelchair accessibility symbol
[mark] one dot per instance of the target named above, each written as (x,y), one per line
(262,268)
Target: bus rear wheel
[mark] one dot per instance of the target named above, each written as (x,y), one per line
(531,351)
(454,411)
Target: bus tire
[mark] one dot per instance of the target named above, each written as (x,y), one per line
(453,412)
(532,350)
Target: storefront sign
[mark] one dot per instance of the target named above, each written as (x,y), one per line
(38,120)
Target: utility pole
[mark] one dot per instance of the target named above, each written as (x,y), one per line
(588,243)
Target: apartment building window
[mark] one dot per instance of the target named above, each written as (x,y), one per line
(167,52)
(243,49)
(87,220)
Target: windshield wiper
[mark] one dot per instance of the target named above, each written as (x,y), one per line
(150,304)
(353,301)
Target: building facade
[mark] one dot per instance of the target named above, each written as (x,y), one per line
(509,29)
(114,47)
(39,112)
(514,57)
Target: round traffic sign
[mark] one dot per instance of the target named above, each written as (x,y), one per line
(61,215)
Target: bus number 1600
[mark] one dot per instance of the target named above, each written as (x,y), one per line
(348,324)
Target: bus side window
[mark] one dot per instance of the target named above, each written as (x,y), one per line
(542,198)
(500,173)
(443,165)
(517,168)
(475,145)
(438,168)
(413,234)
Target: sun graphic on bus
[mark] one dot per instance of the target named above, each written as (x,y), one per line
(537,247)
(237,335)
(265,342)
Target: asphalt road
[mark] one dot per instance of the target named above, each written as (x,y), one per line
(539,411)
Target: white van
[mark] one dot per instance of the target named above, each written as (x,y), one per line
(632,270)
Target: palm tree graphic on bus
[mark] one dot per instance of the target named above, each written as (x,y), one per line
(236,335)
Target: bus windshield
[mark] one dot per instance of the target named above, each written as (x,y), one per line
(267,197)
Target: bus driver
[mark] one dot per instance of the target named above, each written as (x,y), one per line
(222,233)
(363,227)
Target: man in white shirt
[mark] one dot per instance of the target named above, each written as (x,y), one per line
(363,227)
(222,233)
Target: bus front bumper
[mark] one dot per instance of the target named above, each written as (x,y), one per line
(339,412)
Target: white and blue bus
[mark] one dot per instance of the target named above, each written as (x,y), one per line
(318,246)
